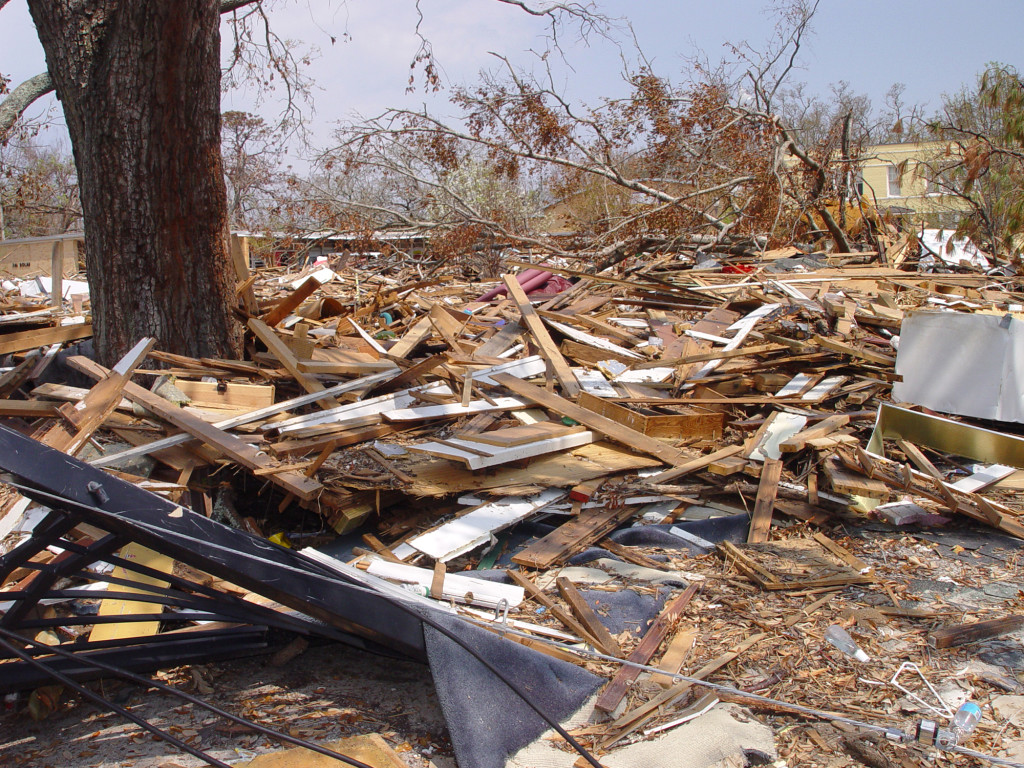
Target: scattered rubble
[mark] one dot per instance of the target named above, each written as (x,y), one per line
(525,482)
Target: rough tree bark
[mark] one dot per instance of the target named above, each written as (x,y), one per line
(140,87)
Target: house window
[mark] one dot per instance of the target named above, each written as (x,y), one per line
(895,189)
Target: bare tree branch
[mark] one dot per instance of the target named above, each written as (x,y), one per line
(20,99)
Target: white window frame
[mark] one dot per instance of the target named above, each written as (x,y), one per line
(893,181)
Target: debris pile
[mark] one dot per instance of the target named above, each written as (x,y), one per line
(760,483)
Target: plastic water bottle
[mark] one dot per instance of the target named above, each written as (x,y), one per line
(966,719)
(841,639)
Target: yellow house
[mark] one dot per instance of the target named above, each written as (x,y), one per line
(899,177)
(31,256)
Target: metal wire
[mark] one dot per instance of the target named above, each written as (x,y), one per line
(163,532)
(65,680)
(728,689)
(148,682)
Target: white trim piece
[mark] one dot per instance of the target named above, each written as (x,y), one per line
(526,368)
(794,386)
(246,418)
(473,460)
(455,409)
(456,586)
(323,276)
(476,527)
(823,388)
(367,337)
(784,427)
(590,340)
(375,583)
(645,376)
(594,383)
(701,336)
(983,478)
(352,411)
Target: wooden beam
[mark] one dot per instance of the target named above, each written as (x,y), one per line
(587,527)
(235,448)
(284,307)
(43,337)
(280,350)
(586,616)
(963,634)
(547,347)
(537,594)
(602,424)
(768,487)
(85,417)
(616,689)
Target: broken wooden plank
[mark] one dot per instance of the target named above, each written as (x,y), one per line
(676,426)
(616,689)
(291,302)
(822,429)
(964,634)
(526,433)
(584,529)
(474,456)
(586,616)
(23,341)
(547,347)
(604,425)
(761,519)
(280,350)
(238,450)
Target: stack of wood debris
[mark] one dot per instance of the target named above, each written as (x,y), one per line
(722,442)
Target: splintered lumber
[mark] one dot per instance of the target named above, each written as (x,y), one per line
(616,689)
(588,354)
(761,519)
(822,429)
(848,349)
(419,332)
(695,465)
(291,302)
(122,606)
(844,481)
(28,409)
(536,593)
(602,424)
(43,337)
(235,448)
(227,395)
(476,527)
(963,634)
(500,342)
(83,418)
(548,348)
(240,420)
(280,350)
(674,426)
(476,456)
(730,465)
(635,718)
(527,433)
(584,529)
(586,616)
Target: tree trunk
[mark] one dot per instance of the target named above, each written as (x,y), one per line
(140,87)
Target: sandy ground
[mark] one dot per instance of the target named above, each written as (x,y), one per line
(324,694)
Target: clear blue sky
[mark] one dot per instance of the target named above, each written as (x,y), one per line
(931,46)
